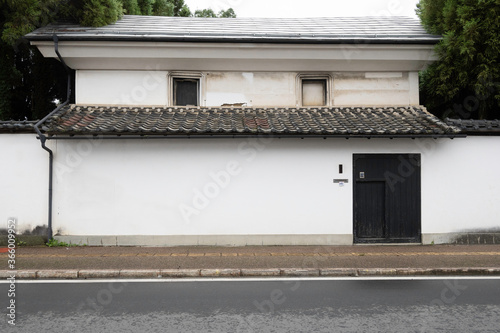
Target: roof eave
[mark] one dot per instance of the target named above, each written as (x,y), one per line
(271,40)
(121,136)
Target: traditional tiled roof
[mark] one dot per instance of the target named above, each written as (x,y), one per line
(13,126)
(476,127)
(204,121)
(286,30)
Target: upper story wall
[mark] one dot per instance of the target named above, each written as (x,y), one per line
(257,62)
(258,89)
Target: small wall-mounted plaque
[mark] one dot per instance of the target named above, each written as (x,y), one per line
(362,174)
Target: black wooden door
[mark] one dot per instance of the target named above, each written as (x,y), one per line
(386,198)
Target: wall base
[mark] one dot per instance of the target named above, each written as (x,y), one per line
(462,238)
(255,240)
(208,240)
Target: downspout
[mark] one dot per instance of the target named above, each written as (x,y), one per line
(43,138)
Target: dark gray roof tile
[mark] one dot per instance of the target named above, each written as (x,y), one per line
(325,121)
(13,126)
(476,127)
(291,30)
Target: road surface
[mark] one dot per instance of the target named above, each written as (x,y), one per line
(251,305)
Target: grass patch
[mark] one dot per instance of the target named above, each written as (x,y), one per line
(55,243)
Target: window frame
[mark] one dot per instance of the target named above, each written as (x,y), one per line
(178,75)
(301,77)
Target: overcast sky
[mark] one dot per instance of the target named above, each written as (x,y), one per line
(309,8)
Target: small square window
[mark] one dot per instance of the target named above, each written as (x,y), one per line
(186,92)
(313,92)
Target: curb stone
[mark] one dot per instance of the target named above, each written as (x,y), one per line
(414,271)
(260,272)
(247,272)
(377,271)
(24,274)
(139,273)
(98,274)
(57,274)
(469,271)
(180,273)
(220,272)
(338,272)
(300,272)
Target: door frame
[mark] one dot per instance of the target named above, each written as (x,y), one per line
(416,239)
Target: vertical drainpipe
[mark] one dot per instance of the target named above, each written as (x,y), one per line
(43,138)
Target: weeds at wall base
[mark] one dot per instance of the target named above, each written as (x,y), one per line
(55,243)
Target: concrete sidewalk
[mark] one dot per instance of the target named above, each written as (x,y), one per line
(154,262)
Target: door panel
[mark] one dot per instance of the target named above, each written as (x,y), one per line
(371,219)
(388,183)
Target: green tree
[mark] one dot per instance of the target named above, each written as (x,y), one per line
(204,13)
(97,13)
(145,7)
(229,13)
(131,7)
(19,17)
(180,8)
(465,81)
(163,8)
(7,78)
(30,83)
(210,13)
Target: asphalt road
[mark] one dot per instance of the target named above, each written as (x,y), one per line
(237,305)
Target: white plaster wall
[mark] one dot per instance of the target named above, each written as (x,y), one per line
(375,88)
(238,187)
(254,89)
(461,185)
(139,187)
(261,89)
(104,87)
(23,181)
(235,186)
(282,57)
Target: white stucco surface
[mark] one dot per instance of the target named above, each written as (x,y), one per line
(236,187)
(104,87)
(256,187)
(259,89)
(107,55)
(461,185)
(23,181)
(254,89)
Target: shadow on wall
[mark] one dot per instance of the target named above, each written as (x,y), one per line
(36,236)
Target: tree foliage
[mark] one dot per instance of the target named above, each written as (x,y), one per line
(210,13)
(205,13)
(131,7)
(30,83)
(97,13)
(163,8)
(229,13)
(145,7)
(465,81)
(180,8)
(19,17)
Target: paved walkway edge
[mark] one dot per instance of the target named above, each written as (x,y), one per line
(247,272)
